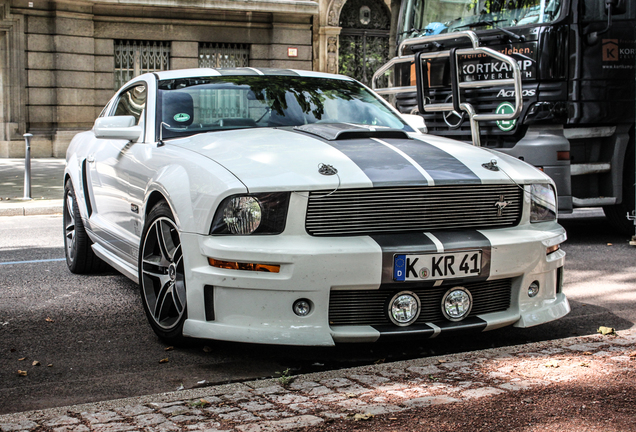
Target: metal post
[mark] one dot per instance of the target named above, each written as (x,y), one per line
(27,166)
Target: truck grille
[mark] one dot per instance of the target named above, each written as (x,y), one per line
(412,209)
(369,307)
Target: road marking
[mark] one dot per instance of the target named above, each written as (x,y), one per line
(33,261)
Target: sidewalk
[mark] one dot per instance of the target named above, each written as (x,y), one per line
(576,384)
(47,189)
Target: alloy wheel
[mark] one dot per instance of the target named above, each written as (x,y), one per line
(162,274)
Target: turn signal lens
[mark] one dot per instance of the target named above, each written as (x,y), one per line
(232,265)
(563,155)
(551,249)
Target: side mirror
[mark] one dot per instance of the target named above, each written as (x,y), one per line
(615,7)
(117,127)
(416,122)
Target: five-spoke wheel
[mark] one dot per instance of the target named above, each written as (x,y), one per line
(161,274)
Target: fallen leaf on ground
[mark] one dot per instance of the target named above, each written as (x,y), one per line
(587,353)
(164,360)
(583,364)
(609,244)
(442,361)
(49,365)
(351,395)
(22,359)
(22,373)
(200,403)
(606,330)
(49,319)
(170,348)
(359,416)
(379,361)
(632,354)
(36,363)
(552,363)
(207,349)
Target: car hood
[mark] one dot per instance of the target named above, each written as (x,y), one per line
(276,159)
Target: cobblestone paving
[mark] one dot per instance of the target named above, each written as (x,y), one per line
(312,399)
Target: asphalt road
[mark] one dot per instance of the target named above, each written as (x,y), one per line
(92,341)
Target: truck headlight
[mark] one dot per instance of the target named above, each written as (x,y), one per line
(261,213)
(543,204)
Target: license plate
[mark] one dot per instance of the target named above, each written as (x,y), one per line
(436,266)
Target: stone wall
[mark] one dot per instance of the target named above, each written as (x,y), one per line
(57,56)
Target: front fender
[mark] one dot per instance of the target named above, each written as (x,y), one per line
(193,186)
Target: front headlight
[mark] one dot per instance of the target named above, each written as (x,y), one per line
(261,213)
(543,204)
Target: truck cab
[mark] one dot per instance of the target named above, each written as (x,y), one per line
(576,59)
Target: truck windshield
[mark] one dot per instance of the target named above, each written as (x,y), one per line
(431,17)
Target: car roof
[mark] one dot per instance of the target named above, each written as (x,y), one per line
(245,71)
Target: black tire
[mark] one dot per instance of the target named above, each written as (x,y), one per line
(616,214)
(162,276)
(80,257)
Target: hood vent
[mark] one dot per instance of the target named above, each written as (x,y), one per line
(344,131)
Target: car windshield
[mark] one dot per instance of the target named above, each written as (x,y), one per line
(188,106)
(431,17)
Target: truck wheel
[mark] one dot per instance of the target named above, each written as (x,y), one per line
(80,257)
(616,214)
(162,275)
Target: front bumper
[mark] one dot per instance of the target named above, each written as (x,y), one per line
(256,307)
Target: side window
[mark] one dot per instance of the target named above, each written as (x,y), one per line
(132,102)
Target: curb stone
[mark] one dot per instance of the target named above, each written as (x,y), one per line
(31,208)
(314,398)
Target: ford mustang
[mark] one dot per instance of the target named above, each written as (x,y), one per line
(295,207)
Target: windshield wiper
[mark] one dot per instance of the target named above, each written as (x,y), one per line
(492,23)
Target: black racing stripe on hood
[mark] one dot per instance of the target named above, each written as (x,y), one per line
(443,167)
(383,166)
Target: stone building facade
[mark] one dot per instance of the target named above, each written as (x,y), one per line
(61,60)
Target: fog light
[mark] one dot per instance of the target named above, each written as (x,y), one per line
(302,307)
(533,289)
(457,303)
(404,308)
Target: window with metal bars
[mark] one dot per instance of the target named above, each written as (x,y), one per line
(134,57)
(215,55)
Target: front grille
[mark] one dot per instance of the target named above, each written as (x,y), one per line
(369,307)
(412,209)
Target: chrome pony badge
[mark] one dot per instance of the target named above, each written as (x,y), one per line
(501,204)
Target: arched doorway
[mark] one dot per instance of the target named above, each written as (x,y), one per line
(364,38)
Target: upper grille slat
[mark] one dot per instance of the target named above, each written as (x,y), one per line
(408,209)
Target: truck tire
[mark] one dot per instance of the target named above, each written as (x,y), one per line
(617,214)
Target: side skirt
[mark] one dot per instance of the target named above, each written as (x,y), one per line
(118,264)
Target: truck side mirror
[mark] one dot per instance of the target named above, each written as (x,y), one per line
(615,7)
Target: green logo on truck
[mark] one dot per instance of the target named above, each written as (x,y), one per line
(506,108)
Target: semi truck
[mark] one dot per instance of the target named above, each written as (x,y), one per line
(572,115)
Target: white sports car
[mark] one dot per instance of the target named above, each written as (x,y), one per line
(295,207)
